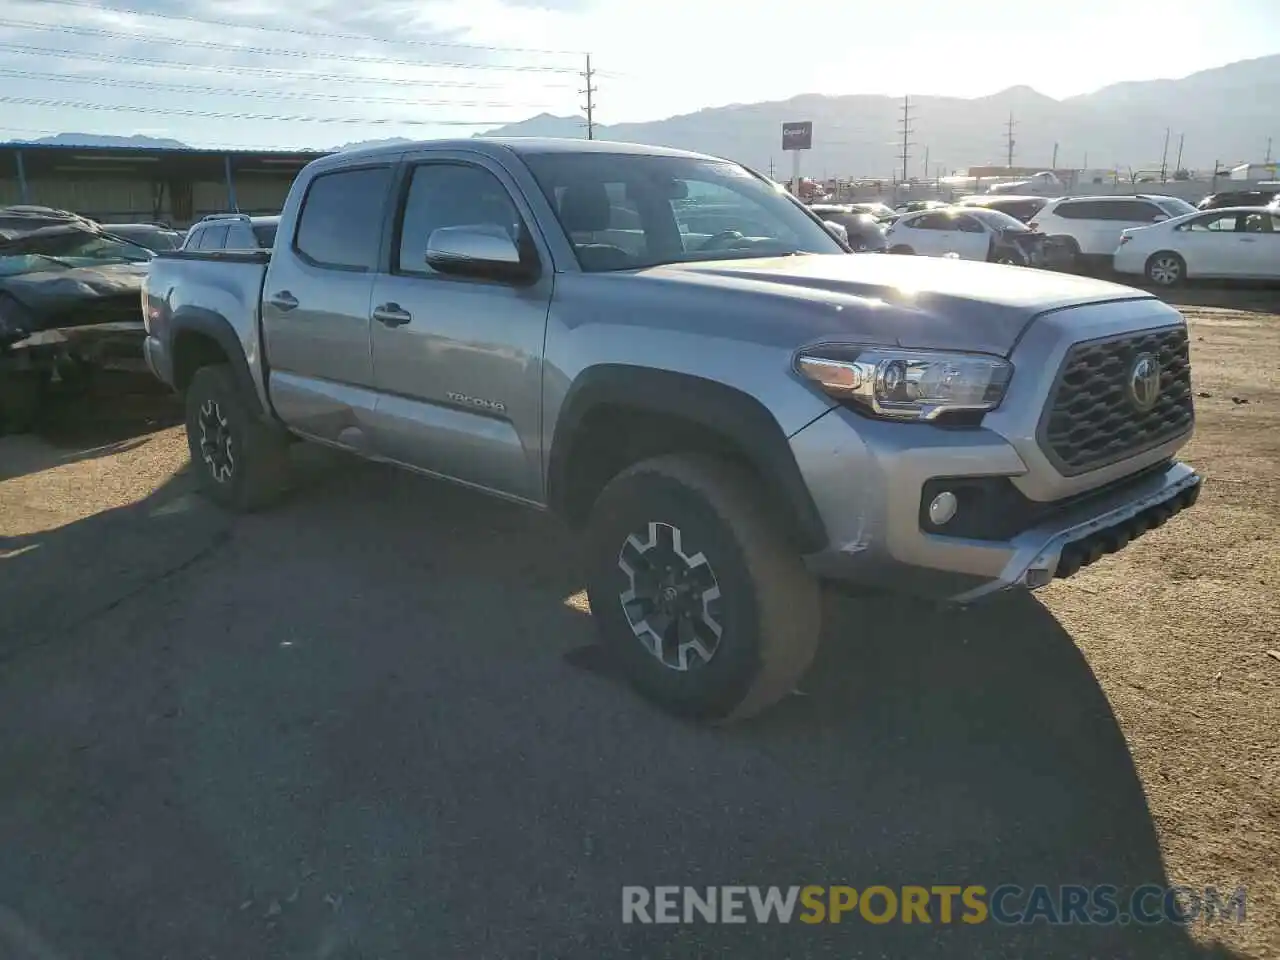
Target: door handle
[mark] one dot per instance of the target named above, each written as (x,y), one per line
(1248,239)
(392,315)
(283,301)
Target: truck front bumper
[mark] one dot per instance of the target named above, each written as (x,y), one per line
(869,480)
(158,361)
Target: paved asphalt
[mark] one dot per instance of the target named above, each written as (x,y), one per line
(367,725)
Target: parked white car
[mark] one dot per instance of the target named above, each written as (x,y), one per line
(1235,242)
(971,233)
(1090,227)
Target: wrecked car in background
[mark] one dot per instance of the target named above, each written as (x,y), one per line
(69,302)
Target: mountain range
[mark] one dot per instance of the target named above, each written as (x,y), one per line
(1225,115)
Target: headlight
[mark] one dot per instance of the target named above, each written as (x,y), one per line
(907,384)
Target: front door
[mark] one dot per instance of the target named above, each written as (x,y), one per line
(1259,245)
(458,361)
(315,306)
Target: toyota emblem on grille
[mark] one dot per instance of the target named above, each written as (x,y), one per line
(1144,381)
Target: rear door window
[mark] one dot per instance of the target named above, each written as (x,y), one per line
(1081,210)
(1133,211)
(340,226)
(933,221)
(215,238)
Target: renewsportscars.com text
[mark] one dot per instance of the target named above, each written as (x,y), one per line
(938,903)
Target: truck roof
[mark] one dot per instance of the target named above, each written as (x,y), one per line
(520,145)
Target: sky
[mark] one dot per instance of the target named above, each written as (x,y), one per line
(323,73)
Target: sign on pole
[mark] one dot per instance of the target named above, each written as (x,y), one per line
(797,136)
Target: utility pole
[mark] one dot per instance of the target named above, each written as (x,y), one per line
(590,105)
(906,135)
(770,167)
(1182,138)
(1009,140)
(1054,165)
(926,163)
(1267,159)
(1164,158)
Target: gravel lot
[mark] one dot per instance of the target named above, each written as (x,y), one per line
(371,723)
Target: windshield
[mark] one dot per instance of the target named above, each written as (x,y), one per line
(75,248)
(1174,207)
(625,211)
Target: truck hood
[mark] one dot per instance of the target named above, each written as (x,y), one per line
(916,302)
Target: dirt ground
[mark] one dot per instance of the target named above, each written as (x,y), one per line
(197,761)
(1178,627)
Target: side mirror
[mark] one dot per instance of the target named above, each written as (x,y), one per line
(480,250)
(1159,218)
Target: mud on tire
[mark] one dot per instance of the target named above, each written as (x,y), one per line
(240,462)
(750,620)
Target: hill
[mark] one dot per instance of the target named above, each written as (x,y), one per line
(1226,114)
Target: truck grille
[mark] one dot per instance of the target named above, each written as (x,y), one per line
(1093,419)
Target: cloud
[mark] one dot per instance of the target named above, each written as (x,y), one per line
(321,59)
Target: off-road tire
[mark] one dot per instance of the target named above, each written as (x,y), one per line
(769,603)
(260,469)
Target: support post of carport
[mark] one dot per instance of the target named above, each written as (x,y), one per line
(23,196)
(231,186)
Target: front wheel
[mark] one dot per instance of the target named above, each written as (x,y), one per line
(240,462)
(700,598)
(1166,269)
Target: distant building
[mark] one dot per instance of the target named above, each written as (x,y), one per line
(154,184)
(1255,171)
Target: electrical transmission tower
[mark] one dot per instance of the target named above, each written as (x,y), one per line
(590,106)
(1009,141)
(907,143)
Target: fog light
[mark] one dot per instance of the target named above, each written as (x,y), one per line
(942,508)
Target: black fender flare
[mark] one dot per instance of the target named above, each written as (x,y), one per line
(218,329)
(737,416)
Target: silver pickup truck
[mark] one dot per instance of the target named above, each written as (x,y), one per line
(669,352)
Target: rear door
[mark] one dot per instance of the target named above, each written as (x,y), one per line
(315,305)
(458,360)
(970,239)
(926,233)
(1122,213)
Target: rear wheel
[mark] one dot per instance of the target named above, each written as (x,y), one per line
(1166,268)
(241,462)
(700,598)
(1070,251)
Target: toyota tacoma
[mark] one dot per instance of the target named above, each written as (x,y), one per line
(676,357)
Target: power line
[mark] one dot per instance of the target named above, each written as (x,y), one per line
(590,105)
(297,31)
(219,115)
(280,72)
(907,144)
(258,94)
(274,51)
